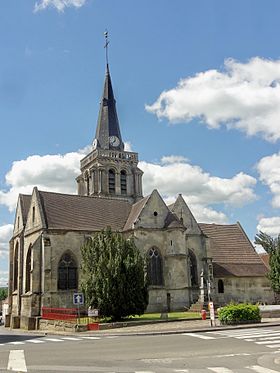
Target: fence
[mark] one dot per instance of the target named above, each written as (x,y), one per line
(70,315)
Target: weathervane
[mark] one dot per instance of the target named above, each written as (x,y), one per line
(106,45)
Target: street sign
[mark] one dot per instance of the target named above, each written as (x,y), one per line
(78,298)
(93,312)
(212,311)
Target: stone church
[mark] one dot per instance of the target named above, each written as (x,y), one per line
(187,262)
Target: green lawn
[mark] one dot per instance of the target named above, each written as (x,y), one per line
(171,316)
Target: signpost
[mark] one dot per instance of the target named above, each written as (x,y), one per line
(212,313)
(78,299)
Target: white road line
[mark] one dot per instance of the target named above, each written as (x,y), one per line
(198,335)
(260,369)
(17,361)
(221,370)
(91,337)
(144,371)
(273,346)
(272,337)
(267,342)
(53,339)
(71,338)
(254,335)
(181,370)
(16,343)
(34,341)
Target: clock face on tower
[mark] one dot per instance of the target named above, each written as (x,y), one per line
(114,141)
(94,144)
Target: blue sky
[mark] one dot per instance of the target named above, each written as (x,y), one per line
(198,97)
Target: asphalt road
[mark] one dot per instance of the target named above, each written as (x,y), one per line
(238,351)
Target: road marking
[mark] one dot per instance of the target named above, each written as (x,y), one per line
(16,343)
(53,339)
(181,370)
(17,361)
(91,337)
(267,342)
(144,371)
(34,341)
(221,370)
(71,338)
(198,335)
(273,346)
(260,369)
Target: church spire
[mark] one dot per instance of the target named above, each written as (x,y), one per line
(108,134)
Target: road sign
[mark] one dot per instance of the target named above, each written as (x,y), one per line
(212,311)
(78,298)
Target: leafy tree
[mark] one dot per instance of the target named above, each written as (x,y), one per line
(113,275)
(3,293)
(272,247)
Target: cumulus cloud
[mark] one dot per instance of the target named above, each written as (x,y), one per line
(4,278)
(270,225)
(49,172)
(269,173)
(198,187)
(244,96)
(173,175)
(6,232)
(60,5)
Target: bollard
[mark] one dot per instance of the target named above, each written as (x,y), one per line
(203,314)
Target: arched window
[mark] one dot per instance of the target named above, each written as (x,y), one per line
(15,276)
(123,182)
(220,286)
(28,270)
(112,182)
(67,273)
(193,268)
(154,267)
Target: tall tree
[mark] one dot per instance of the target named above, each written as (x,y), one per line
(113,275)
(272,247)
(3,293)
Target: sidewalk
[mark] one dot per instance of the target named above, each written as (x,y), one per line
(176,327)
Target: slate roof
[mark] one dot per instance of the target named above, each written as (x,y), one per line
(108,123)
(232,252)
(172,221)
(83,213)
(25,201)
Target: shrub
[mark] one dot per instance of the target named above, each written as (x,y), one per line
(239,313)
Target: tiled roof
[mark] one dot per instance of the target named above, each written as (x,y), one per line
(134,213)
(232,252)
(73,212)
(25,201)
(265,258)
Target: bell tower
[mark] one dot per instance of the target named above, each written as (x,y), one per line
(108,170)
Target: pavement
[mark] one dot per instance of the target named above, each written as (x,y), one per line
(182,326)
(155,328)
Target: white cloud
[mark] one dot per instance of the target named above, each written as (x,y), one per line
(6,232)
(198,187)
(60,5)
(3,278)
(270,226)
(245,96)
(172,176)
(49,172)
(269,173)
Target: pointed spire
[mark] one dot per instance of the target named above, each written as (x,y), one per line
(108,134)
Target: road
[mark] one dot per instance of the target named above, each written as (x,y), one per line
(238,351)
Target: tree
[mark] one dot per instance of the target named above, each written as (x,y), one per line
(3,293)
(272,247)
(114,278)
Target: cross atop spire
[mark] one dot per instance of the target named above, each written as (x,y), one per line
(108,134)
(106,47)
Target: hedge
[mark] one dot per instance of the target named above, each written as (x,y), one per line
(239,313)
